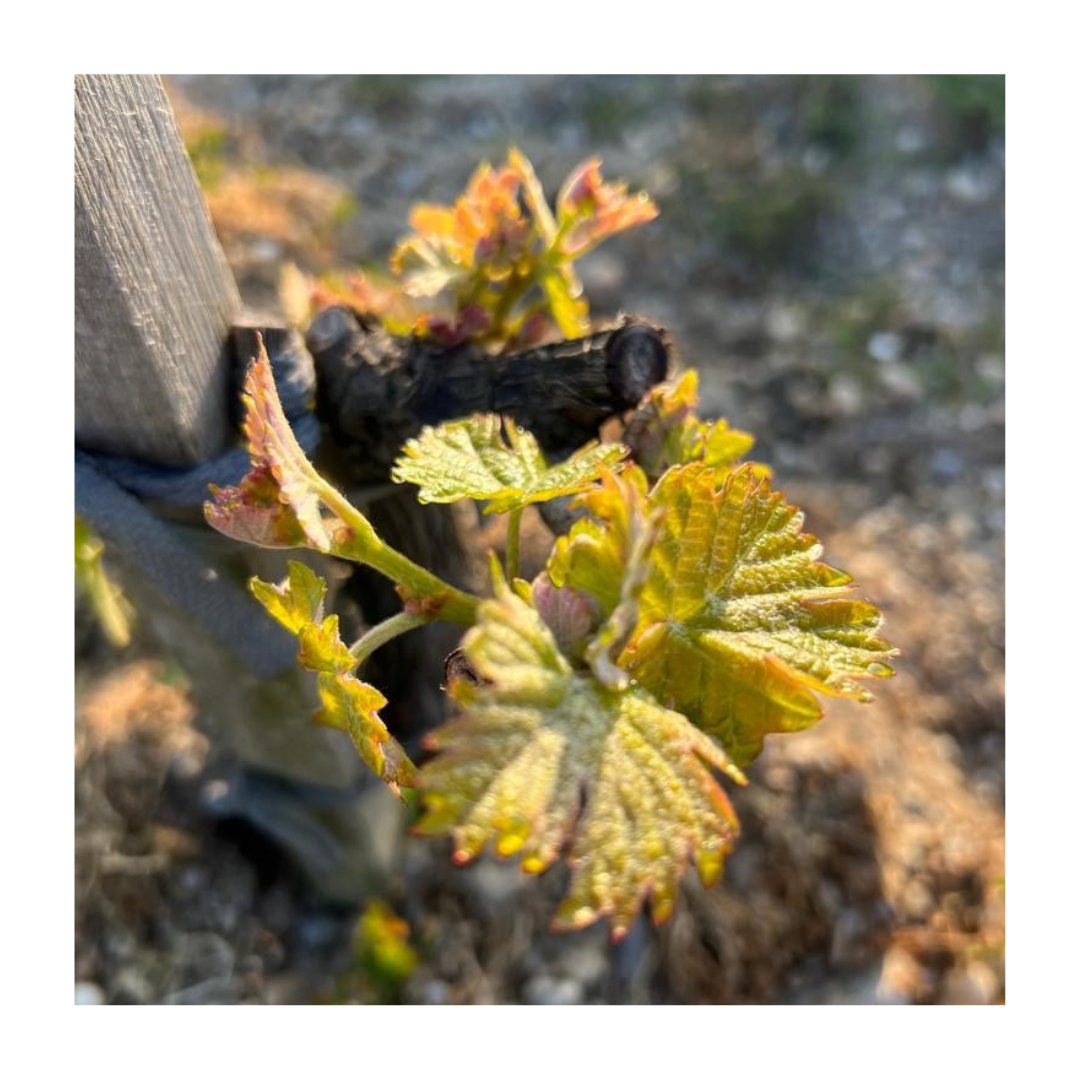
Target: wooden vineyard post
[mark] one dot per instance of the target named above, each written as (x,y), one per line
(154,304)
(154,298)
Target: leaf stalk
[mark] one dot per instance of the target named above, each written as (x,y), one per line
(366,546)
(387,630)
(513,544)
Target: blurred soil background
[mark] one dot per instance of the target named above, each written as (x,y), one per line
(830,255)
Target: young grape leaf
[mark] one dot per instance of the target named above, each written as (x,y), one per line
(592,558)
(570,615)
(353,706)
(253,512)
(322,650)
(278,503)
(485,230)
(665,430)
(494,267)
(532,191)
(739,622)
(609,639)
(589,210)
(104,595)
(469,459)
(724,445)
(296,602)
(543,755)
(347,703)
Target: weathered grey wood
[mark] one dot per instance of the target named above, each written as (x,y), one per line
(154,298)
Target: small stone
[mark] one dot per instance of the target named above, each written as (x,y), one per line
(910,140)
(885,347)
(902,976)
(815,160)
(846,394)
(265,250)
(132,987)
(902,382)
(946,465)
(991,368)
(193,879)
(220,990)
(969,186)
(848,940)
(583,965)
(971,418)
(88,993)
(185,766)
(868,988)
(914,239)
(975,984)
(547,990)
(214,794)
(785,323)
(359,127)
(328,328)
(435,992)
(495,885)
(917,901)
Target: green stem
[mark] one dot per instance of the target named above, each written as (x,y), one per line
(516,287)
(513,544)
(387,630)
(366,546)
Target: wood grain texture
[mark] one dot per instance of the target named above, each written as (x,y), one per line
(375,391)
(154,298)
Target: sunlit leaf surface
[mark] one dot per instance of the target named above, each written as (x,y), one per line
(544,756)
(347,703)
(470,459)
(495,267)
(665,430)
(277,504)
(740,623)
(592,558)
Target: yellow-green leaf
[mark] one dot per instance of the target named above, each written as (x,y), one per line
(321,648)
(566,299)
(353,706)
(665,430)
(592,558)
(544,756)
(739,622)
(296,602)
(105,597)
(347,703)
(724,445)
(470,459)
